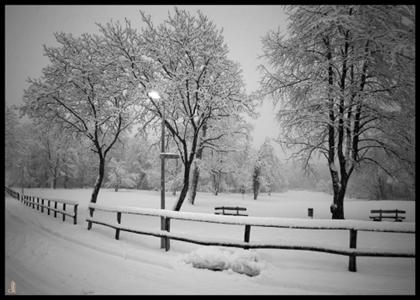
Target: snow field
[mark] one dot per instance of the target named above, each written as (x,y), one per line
(46,256)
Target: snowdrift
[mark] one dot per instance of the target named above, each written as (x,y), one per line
(220,258)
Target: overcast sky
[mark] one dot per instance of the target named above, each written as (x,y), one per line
(28,27)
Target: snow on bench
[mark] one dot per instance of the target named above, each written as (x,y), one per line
(379,214)
(225,210)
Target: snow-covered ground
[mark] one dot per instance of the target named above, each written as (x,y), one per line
(47,256)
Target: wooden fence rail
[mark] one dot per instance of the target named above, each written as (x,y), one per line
(42,203)
(353,226)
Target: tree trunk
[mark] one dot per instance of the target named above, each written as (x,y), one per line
(339,187)
(216,176)
(338,210)
(99,179)
(185,186)
(256,187)
(66,178)
(194,183)
(196,171)
(256,182)
(56,173)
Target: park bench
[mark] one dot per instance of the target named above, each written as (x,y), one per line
(379,214)
(231,211)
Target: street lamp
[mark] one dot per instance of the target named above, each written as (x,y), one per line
(164,243)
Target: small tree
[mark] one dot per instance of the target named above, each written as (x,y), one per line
(256,178)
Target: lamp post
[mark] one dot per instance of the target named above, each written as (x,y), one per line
(164,243)
(155,96)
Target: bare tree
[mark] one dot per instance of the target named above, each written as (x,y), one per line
(185,60)
(85,91)
(344,75)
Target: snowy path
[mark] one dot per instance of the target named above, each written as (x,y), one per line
(47,256)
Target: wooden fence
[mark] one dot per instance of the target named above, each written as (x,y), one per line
(41,204)
(351,225)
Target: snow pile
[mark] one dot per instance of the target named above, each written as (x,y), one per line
(219,259)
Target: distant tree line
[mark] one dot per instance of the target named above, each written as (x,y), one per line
(42,157)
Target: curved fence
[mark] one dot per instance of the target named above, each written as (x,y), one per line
(50,205)
(352,226)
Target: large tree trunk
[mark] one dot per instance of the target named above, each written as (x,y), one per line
(196,170)
(339,188)
(337,209)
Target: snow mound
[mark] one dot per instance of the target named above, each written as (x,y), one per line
(219,259)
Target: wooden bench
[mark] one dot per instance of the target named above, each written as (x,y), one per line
(226,210)
(379,214)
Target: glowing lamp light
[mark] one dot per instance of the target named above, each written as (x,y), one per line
(154,95)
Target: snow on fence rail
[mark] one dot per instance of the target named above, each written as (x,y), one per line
(42,203)
(352,225)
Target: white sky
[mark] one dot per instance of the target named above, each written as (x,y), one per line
(28,27)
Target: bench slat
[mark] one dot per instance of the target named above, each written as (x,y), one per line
(387,211)
(230,208)
(389,217)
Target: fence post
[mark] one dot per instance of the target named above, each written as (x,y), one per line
(33,202)
(117,230)
(168,229)
(37,203)
(75,214)
(91,215)
(247,233)
(352,257)
(49,202)
(55,207)
(311,213)
(42,205)
(64,214)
